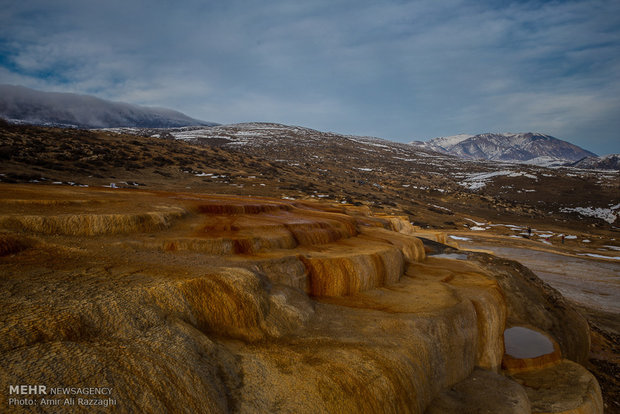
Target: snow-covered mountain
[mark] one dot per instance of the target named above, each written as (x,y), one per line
(522,148)
(24,105)
(607,162)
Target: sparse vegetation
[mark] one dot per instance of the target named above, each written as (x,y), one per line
(338,173)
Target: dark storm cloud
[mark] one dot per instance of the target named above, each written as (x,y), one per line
(399,70)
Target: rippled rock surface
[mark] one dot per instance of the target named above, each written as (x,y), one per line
(203,303)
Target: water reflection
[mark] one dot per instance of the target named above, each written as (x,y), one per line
(524,343)
(456,256)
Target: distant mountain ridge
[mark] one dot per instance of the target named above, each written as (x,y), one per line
(25,105)
(607,162)
(509,147)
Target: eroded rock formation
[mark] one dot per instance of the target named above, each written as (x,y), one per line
(226,304)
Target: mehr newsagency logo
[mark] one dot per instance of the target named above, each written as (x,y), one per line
(42,395)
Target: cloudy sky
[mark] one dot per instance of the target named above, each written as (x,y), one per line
(400,70)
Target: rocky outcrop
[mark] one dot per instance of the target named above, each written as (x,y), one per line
(562,388)
(260,305)
(501,395)
(533,302)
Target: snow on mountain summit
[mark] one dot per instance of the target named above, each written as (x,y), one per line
(451,141)
(509,147)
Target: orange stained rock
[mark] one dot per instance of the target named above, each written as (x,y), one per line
(303,228)
(412,248)
(353,266)
(473,284)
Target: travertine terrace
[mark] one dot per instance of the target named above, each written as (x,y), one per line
(203,303)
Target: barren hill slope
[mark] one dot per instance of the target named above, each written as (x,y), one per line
(277,160)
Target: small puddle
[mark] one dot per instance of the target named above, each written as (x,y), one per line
(522,343)
(456,256)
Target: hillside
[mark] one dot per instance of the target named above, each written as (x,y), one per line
(404,174)
(278,160)
(24,105)
(271,258)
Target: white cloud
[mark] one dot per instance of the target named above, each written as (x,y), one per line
(394,69)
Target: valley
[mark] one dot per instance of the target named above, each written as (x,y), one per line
(244,265)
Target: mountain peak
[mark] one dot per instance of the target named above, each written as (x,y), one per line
(507,146)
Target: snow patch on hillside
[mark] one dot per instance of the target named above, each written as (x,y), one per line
(545,161)
(479,180)
(610,215)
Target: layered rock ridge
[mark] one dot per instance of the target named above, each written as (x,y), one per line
(219,304)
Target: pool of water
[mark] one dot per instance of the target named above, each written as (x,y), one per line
(525,343)
(456,256)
